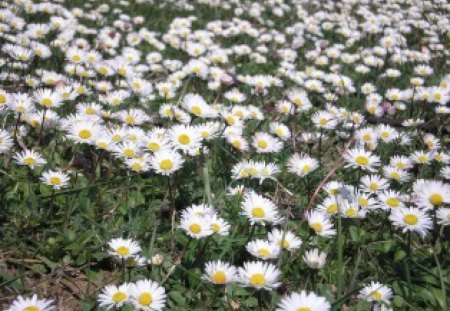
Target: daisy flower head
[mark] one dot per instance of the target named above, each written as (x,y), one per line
(31,304)
(219,225)
(259,275)
(123,248)
(198,210)
(29,158)
(411,219)
(196,105)
(6,141)
(320,224)
(220,273)
(329,206)
(302,164)
(166,162)
(48,98)
(148,295)
(315,259)
(84,132)
(284,239)
(376,292)
(360,158)
(443,216)
(185,138)
(303,301)
(396,174)
(263,249)
(113,296)
(430,194)
(57,179)
(259,210)
(196,227)
(266,143)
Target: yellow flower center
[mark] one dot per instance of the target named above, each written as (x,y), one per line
(219,277)
(351,212)
(47,102)
(166,164)
(304,309)
(263,252)
(436,199)
(195,228)
(393,202)
(122,71)
(184,139)
(258,212)
(55,180)
(237,144)
(257,280)
(230,120)
(196,110)
(205,134)
(367,137)
(422,159)
(306,168)
(376,295)
(29,160)
(137,167)
(76,58)
(410,219)
(128,152)
(119,297)
(31,308)
(2,99)
(123,251)
(130,120)
(145,299)
(262,144)
(153,146)
(317,227)
(284,243)
(395,175)
(215,228)
(323,121)
(362,160)
(85,134)
(102,145)
(332,208)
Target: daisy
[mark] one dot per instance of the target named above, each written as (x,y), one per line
(31,304)
(238,142)
(123,248)
(56,179)
(259,210)
(259,275)
(219,225)
(324,120)
(148,295)
(303,301)
(263,249)
(390,199)
(199,210)
(29,158)
(376,292)
(113,296)
(393,173)
(265,143)
(373,183)
(280,130)
(443,216)
(301,164)
(315,259)
(140,164)
(285,239)
(6,141)
(411,219)
(360,158)
(48,98)
(84,132)
(220,273)
(197,106)
(422,157)
(430,194)
(320,224)
(185,138)
(166,161)
(196,227)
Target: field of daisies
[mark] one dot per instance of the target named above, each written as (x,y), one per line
(178,155)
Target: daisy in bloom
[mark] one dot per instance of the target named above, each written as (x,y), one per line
(265,143)
(301,164)
(263,249)
(56,179)
(199,210)
(48,98)
(259,274)
(29,158)
(393,173)
(391,199)
(376,292)
(281,130)
(185,138)
(259,210)
(196,227)
(443,216)
(315,259)
(429,194)
(329,206)
(148,295)
(123,248)
(166,162)
(360,158)
(84,132)
(411,219)
(31,304)
(196,105)
(324,120)
(6,141)
(422,157)
(303,301)
(220,273)
(140,164)
(284,239)
(113,296)
(320,224)
(219,225)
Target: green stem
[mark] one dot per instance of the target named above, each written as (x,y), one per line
(207,181)
(340,245)
(441,279)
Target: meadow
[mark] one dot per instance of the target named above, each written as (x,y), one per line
(276,155)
